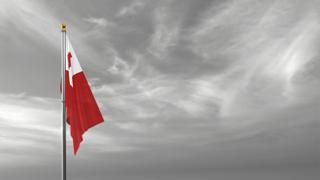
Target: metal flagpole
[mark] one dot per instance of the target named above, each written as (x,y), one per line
(63,98)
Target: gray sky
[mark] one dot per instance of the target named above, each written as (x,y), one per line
(188,89)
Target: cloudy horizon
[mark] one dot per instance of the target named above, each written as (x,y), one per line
(202,89)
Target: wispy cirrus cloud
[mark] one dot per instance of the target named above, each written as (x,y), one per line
(26,14)
(29,125)
(254,52)
(130,9)
(100,22)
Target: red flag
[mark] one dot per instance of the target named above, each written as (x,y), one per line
(82,109)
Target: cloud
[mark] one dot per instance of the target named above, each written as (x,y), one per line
(131,9)
(29,124)
(165,34)
(32,17)
(119,66)
(100,22)
(262,64)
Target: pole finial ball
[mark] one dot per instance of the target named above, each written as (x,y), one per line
(63,27)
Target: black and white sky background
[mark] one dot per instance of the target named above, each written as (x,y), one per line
(189,89)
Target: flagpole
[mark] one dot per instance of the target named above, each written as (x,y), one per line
(63,98)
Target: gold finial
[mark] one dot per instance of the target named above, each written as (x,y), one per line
(63,27)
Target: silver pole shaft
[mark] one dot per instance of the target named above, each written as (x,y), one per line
(63,98)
